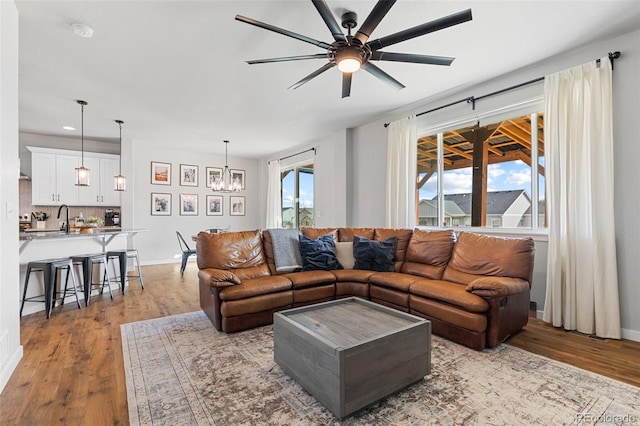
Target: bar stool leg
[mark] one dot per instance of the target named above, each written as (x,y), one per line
(139,271)
(26,284)
(49,288)
(106,279)
(75,284)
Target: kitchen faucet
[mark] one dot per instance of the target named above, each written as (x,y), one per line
(66,224)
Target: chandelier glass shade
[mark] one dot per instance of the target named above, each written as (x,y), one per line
(119,181)
(83,175)
(226,183)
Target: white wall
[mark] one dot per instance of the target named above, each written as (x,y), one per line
(159,244)
(369,162)
(10,348)
(368,175)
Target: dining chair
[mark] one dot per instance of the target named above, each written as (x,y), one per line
(187,252)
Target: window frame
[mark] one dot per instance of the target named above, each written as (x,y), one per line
(531,107)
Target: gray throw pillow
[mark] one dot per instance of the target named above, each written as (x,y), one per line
(374,255)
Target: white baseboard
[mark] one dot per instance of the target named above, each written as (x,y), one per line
(630,334)
(9,367)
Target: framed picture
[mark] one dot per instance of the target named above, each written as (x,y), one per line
(160,173)
(214,205)
(212,174)
(160,204)
(188,175)
(189,204)
(238,176)
(236,205)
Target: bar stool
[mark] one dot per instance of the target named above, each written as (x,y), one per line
(49,269)
(88,261)
(122,256)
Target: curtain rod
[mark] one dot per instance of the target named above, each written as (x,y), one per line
(473,99)
(297,153)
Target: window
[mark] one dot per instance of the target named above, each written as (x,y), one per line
(297,196)
(487,177)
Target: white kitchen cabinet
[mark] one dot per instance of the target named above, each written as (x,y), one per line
(100,192)
(53,179)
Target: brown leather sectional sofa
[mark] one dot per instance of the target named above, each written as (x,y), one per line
(473,288)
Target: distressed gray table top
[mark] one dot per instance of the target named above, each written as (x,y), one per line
(350,323)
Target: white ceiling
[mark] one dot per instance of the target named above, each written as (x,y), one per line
(174,71)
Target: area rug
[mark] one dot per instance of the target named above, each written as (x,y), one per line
(181,371)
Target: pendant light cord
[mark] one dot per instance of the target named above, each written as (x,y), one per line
(120,159)
(82,131)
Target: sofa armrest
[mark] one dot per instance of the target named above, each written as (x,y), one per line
(489,287)
(217,278)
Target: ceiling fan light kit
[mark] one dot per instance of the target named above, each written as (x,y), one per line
(352,52)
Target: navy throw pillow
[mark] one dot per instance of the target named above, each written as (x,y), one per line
(374,255)
(318,254)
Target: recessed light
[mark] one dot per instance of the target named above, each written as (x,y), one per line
(68,128)
(83,30)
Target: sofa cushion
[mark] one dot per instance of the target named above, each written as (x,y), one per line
(347,234)
(394,280)
(255,287)
(430,247)
(229,250)
(403,236)
(240,252)
(344,252)
(451,293)
(493,256)
(352,275)
(318,254)
(314,233)
(374,255)
(310,278)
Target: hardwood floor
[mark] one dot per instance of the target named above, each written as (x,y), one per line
(72,371)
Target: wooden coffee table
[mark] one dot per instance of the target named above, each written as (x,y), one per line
(350,353)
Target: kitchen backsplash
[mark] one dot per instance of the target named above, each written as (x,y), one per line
(52,211)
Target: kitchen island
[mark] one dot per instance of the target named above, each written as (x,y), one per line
(51,243)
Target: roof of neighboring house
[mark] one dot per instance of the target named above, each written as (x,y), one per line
(450,207)
(541,208)
(497,201)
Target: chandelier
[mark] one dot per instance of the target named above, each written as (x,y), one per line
(225,182)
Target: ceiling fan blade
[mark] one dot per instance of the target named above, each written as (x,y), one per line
(381,75)
(287,33)
(329,19)
(288,58)
(409,57)
(417,31)
(371,23)
(346,84)
(313,75)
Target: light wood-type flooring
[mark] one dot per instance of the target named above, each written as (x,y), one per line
(72,370)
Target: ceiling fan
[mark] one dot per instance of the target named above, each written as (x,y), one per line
(352,52)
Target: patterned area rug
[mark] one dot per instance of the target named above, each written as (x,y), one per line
(181,371)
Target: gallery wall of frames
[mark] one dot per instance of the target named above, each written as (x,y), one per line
(188,204)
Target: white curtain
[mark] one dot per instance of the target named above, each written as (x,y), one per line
(402,157)
(582,281)
(274,208)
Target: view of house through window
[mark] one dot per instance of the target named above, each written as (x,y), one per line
(297,196)
(487,175)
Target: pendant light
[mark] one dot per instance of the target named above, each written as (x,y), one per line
(225,182)
(82,173)
(119,181)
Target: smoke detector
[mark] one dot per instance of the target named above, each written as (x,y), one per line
(83,30)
